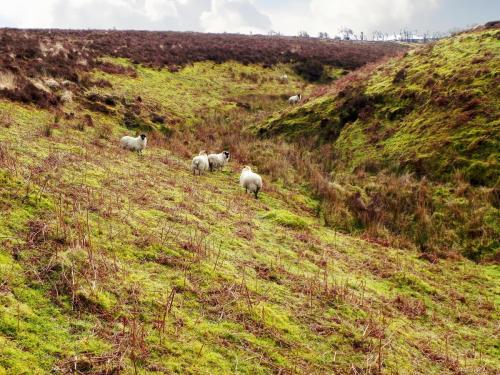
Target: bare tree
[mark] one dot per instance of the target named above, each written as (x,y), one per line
(273,33)
(347,33)
(378,35)
(303,34)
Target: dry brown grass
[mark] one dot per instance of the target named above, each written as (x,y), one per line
(7,81)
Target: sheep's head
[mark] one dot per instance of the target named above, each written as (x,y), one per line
(226,154)
(202,152)
(143,136)
(247,169)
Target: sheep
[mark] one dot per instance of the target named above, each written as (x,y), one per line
(284,78)
(134,144)
(251,181)
(200,163)
(295,99)
(217,161)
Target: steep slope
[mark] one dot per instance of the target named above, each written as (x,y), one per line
(112,262)
(439,97)
(432,113)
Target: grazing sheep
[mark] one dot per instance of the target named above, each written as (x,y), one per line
(217,161)
(251,181)
(284,78)
(295,99)
(134,144)
(200,163)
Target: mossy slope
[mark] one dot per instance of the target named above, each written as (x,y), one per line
(413,145)
(432,112)
(115,262)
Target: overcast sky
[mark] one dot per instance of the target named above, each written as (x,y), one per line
(246,16)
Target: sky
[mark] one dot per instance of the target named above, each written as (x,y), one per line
(251,16)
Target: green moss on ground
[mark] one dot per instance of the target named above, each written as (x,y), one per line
(113,261)
(433,111)
(430,115)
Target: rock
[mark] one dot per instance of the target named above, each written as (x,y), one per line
(67,96)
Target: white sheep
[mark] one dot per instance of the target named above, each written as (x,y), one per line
(200,163)
(295,99)
(251,181)
(284,78)
(217,161)
(134,144)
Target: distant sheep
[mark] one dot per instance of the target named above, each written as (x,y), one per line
(295,99)
(251,181)
(134,144)
(284,78)
(200,163)
(217,161)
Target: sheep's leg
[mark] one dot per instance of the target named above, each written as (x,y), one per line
(256,192)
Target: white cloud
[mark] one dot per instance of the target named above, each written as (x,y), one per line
(122,14)
(258,16)
(234,16)
(362,15)
(195,15)
(26,13)
(157,9)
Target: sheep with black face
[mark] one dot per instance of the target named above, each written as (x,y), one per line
(218,161)
(134,143)
(295,99)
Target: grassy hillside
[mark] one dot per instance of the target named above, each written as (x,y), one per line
(431,114)
(113,262)
(30,60)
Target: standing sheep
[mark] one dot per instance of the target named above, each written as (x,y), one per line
(200,163)
(134,144)
(295,99)
(251,181)
(217,161)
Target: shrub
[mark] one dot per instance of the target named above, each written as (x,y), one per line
(47,130)
(134,122)
(26,92)
(310,70)
(400,76)
(483,173)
